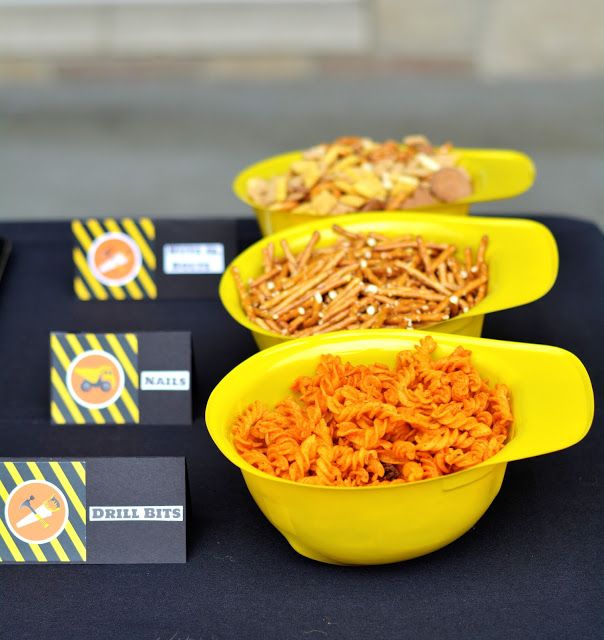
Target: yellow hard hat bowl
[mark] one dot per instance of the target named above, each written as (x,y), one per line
(522,256)
(495,173)
(552,402)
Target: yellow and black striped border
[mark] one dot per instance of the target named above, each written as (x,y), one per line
(142,232)
(64,347)
(70,544)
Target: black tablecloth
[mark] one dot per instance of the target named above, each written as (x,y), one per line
(532,567)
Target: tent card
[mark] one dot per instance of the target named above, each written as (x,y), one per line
(138,259)
(120,378)
(93,510)
(5,249)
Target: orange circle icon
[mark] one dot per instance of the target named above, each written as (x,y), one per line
(114,259)
(95,379)
(36,511)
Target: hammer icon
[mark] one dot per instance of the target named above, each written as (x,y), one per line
(27,505)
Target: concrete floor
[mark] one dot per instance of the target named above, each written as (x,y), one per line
(172,148)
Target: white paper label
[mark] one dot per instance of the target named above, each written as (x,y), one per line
(193,258)
(165,380)
(173,513)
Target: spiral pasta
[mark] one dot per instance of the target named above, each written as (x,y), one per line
(357,425)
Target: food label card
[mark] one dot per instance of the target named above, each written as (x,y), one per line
(120,378)
(5,249)
(137,259)
(93,510)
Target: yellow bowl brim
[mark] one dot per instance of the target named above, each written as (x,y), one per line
(496,173)
(522,255)
(552,397)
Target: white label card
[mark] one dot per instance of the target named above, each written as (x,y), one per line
(193,258)
(162,513)
(165,380)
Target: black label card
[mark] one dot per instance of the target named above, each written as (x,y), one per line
(165,374)
(144,259)
(93,510)
(192,256)
(120,378)
(5,249)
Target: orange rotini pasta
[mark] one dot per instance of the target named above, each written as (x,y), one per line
(358,425)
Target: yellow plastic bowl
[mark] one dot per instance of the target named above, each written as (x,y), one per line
(522,257)
(496,174)
(552,401)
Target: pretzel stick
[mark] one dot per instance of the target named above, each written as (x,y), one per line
(245,299)
(335,327)
(468,258)
(261,323)
(305,255)
(423,254)
(347,295)
(444,255)
(324,287)
(471,286)
(289,256)
(264,277)
(309,284)
(268,255)
(482,248)
(345,232)
(480,294)
(406,292)
(434,284)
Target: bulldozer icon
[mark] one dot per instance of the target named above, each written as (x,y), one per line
(95,377)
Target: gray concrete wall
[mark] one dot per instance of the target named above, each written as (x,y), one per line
(152,106)
(486,37)
(173,148)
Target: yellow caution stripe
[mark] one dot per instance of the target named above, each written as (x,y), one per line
(55,544)
(141,232)
(66,408)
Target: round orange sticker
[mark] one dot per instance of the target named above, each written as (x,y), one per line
(95,379)
(36,511)
(114,259)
